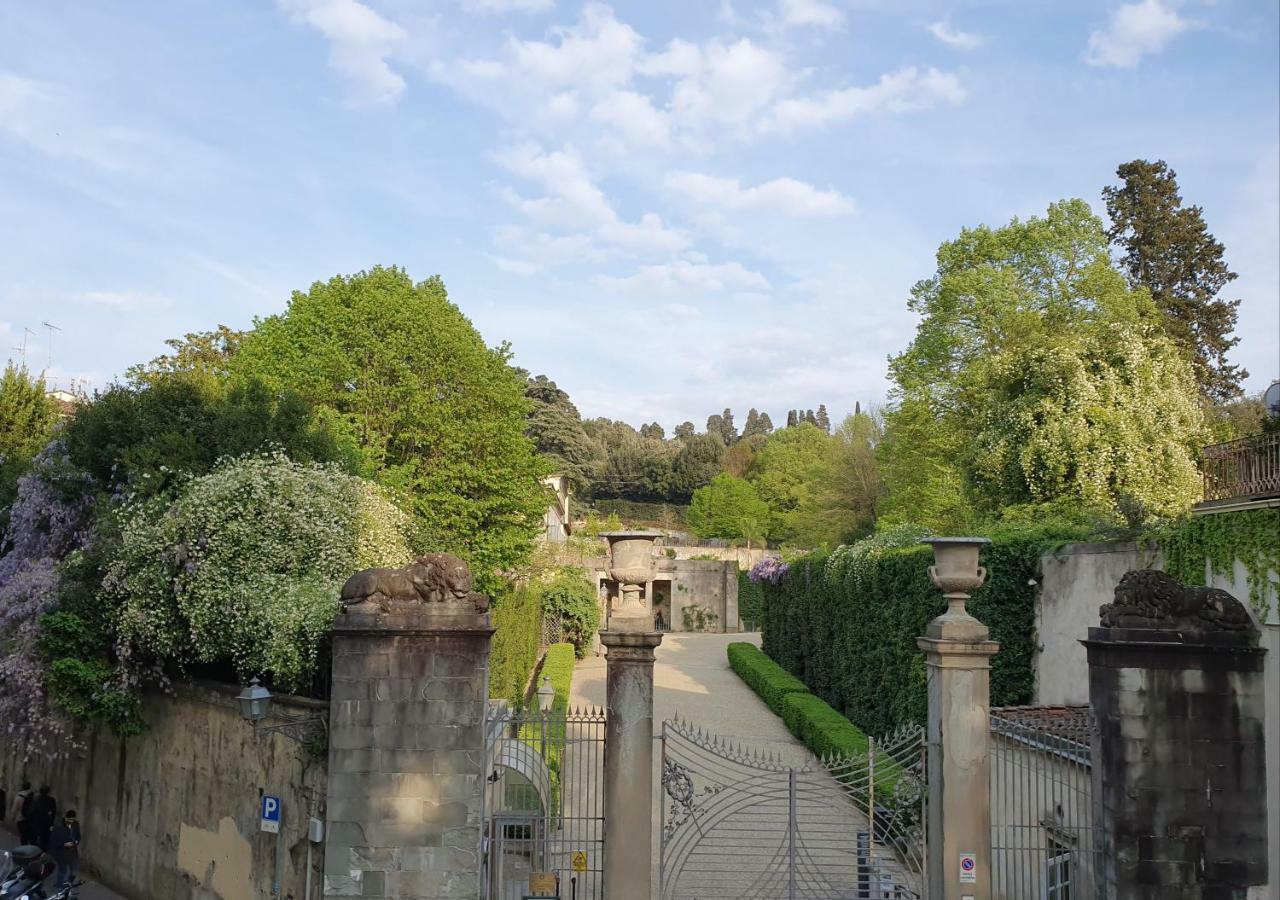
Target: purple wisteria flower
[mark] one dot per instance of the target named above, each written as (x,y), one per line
(770,569)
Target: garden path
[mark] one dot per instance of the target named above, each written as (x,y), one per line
(692,679)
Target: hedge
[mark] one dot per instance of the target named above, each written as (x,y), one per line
(846,624)
(763,675)
(558,664)
(750,599)
(514,652)
(551,735)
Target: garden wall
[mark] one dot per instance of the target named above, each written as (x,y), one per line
(174,813)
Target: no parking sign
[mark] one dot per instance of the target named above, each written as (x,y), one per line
(968,868)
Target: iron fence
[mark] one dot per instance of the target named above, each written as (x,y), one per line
(1249,467)
(544,803)
(1044,844)
(740,824)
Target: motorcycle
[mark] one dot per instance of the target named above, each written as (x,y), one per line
(26,869)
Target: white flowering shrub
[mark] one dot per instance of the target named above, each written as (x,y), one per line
(246,564)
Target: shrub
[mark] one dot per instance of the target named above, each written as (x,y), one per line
(514,652)
(558,666)
(572,597)
(763,675)
(750,599)
(245,565)
(846,623)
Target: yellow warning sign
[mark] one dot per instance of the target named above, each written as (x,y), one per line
(580,861)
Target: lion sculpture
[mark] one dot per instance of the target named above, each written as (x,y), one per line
(434,578)
(1149,598)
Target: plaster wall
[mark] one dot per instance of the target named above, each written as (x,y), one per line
(174,813)
(710,585)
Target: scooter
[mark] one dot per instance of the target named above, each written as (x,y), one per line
(30,866)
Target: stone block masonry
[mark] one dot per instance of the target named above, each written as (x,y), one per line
(407,754)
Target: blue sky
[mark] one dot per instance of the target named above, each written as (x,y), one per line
(666,207)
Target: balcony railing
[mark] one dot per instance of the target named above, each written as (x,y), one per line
(1249,467)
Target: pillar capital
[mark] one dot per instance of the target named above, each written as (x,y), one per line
(944,654)
(631,646)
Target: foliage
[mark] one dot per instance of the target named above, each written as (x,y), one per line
(787,473)
(549,735)
(437,414)
(764,676)
(558,666)
(698,618)
(572,597)
(140,440)
(671,516)
(696,463)
(1214,542)
(771,569)
(245,565)
(730,508)
(844,504)
(555,427)
(1036,374)
(27,419)
(1167,248)
(750,600)
(846,623)
(201,355)
(517,618)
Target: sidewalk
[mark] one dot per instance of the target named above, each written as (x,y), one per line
(91,890)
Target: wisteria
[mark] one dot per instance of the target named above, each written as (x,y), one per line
(770,569)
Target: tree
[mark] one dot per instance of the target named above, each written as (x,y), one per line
(200,353)
(695,465)
(437,414)
(792,418)
(787,474)
(685,430)
(715,425)
(752,424)
(1167,248)
(810,417)
(823,421)
(739,458)
(765,426)
(845,506)
(727,429)
(27,419)
(729,508)
(555,427)
(653,431)
(1037,376)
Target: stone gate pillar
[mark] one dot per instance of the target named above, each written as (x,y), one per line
(407,745)
(958,655)
(628,770)
(1179,757)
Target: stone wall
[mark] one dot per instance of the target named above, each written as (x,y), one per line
(173,814)
(708,584)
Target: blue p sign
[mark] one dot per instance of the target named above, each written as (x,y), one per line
(270,814)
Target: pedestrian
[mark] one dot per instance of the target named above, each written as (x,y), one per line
(44,812)
(21,807)
(64,847)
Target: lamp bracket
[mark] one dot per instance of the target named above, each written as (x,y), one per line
(304,729)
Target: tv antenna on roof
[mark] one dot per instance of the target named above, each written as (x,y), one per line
(23,349)
(52,328)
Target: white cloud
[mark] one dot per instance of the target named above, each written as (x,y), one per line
(649,235)
(1134,30)
(507,6)
(360,41)
(961,40)
(125,301)
(810,12)
(721,84)
(685,275)
(901,91)
(785,195)
(575,199)
(599,50)
(634,118)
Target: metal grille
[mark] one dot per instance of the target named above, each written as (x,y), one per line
(1245,468)
(740,824)
(552,629)
(544,803)
(1043,841)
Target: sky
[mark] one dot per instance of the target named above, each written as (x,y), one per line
(667,207)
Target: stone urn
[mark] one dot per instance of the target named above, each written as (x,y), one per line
(631,566)
(957,574)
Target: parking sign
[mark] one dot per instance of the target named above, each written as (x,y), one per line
(270,814)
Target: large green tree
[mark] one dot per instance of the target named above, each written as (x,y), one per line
(27,419)
(697,462)
(555,427)
(1166,247)
(787,474)
(440,417)
(1038,376)
(729,508)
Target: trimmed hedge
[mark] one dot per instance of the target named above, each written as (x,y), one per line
(846,624)
(764,676)
(558,664)
(517,618)
(750,599)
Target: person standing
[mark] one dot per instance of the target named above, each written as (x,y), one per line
(21,807)
(44,812)
(64,847)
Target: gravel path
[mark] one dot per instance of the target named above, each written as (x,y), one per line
(692,679)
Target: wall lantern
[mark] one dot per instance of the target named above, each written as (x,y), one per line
(546,695)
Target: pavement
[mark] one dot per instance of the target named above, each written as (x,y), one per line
(692,680)
(91,890)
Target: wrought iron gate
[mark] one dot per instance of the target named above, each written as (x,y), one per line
(739,824)
(1044,845)
(544,803)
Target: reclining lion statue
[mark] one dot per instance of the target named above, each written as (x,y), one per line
(434,578)
(1149,598)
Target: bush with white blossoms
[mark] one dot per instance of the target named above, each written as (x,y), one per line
(246,565)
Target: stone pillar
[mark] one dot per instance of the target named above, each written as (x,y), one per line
(958,655)
(628,768)
(1179,762)
(407,752)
